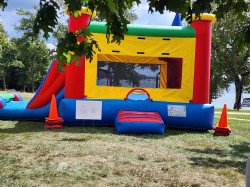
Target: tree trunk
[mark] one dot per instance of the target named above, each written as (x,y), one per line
(32,76)
(4,81)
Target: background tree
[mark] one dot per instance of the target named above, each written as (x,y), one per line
(129,14)
(230,56)
(3,36)
(32,51)
(35,57)
(60,31)
(3,43)
(8,59)
(8,62)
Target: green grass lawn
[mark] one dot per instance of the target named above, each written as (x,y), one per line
(239,116)
(97,156)
(231,110)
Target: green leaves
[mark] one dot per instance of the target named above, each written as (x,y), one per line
(46,18)
(113,12)
(3,4)
(69,49)
(73,6)
(229,53)
(17,64)
(3,36)
(239,7)
(181,6)
(34,56)
(26,24)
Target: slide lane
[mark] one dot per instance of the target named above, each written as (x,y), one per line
(52,84)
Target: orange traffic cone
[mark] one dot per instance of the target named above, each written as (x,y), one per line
(53,121)
(222,129)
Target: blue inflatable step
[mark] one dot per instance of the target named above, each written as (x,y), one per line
(138,122)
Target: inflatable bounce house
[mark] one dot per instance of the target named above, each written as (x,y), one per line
(158,77)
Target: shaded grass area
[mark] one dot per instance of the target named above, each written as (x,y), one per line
(97,156)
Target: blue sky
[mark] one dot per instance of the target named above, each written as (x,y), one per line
(9,19)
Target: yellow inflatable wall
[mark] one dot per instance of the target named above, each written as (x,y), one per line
(149,50)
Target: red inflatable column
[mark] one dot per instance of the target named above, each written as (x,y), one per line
(75,74)
(203,28)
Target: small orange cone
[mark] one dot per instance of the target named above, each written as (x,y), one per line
(53,121)
(222,129)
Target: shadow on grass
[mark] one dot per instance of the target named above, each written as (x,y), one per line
(32,126)
(235,157)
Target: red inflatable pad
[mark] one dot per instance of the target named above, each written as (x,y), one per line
(135,116)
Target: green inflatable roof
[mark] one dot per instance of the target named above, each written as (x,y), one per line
(146,30)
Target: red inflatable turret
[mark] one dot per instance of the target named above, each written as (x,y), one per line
(203,29)
(75,74)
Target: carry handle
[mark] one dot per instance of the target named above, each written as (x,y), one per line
(138,89)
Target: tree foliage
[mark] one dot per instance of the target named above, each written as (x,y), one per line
(230,56)
(35,57)
(26,24)
(113,12)
(129,14)
(8,59)
(31,51)
(3,36)
(60,31)
(23,61)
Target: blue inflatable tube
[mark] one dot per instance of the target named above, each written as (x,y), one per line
(17,110)
(2,102)
(193,116)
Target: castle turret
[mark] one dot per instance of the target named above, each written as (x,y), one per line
(75,74)
(203,29)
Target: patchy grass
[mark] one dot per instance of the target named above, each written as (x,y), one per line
(231,110)
(236,116)
(26,96)
(239,116)
(97,156)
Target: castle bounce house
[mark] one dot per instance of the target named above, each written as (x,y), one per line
(158,77)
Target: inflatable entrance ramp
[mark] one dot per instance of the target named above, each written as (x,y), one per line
(138,122)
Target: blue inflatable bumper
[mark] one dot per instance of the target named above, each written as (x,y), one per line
(179,115)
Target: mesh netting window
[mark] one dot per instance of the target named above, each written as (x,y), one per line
(128,74)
